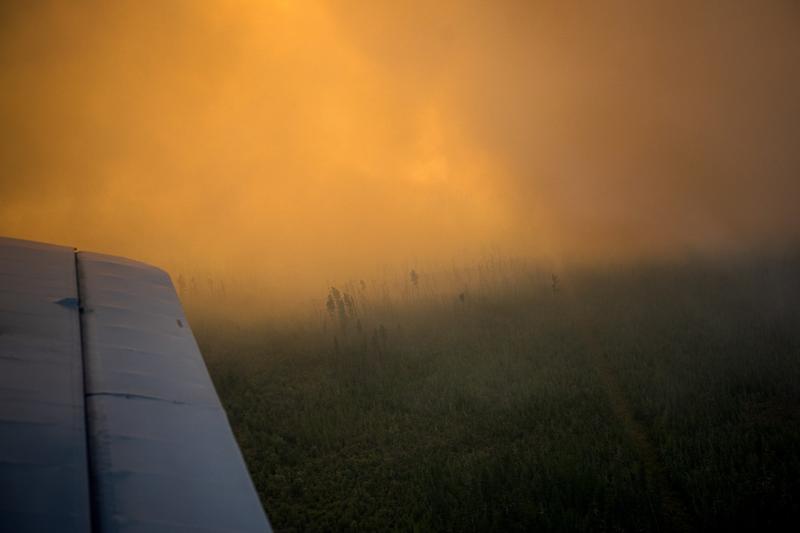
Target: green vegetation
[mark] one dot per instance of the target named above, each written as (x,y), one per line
(504,398)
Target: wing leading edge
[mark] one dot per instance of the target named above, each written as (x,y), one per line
(44,482)
(161,454)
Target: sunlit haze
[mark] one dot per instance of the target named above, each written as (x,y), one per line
(301,142)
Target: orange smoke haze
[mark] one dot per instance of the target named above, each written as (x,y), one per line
(307,141)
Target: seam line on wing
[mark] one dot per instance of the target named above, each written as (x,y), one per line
(138,397)
(86,421)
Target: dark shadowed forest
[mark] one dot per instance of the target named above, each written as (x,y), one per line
(506,397)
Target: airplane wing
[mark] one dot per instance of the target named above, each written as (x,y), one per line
(109,421)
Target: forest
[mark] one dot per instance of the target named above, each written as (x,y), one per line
(503,396)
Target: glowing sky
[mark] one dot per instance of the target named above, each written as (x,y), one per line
(306,140)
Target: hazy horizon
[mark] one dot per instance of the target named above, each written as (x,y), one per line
(302,142)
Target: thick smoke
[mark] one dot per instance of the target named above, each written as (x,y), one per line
(306,141)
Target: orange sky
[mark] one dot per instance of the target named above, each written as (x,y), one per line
(305,141)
